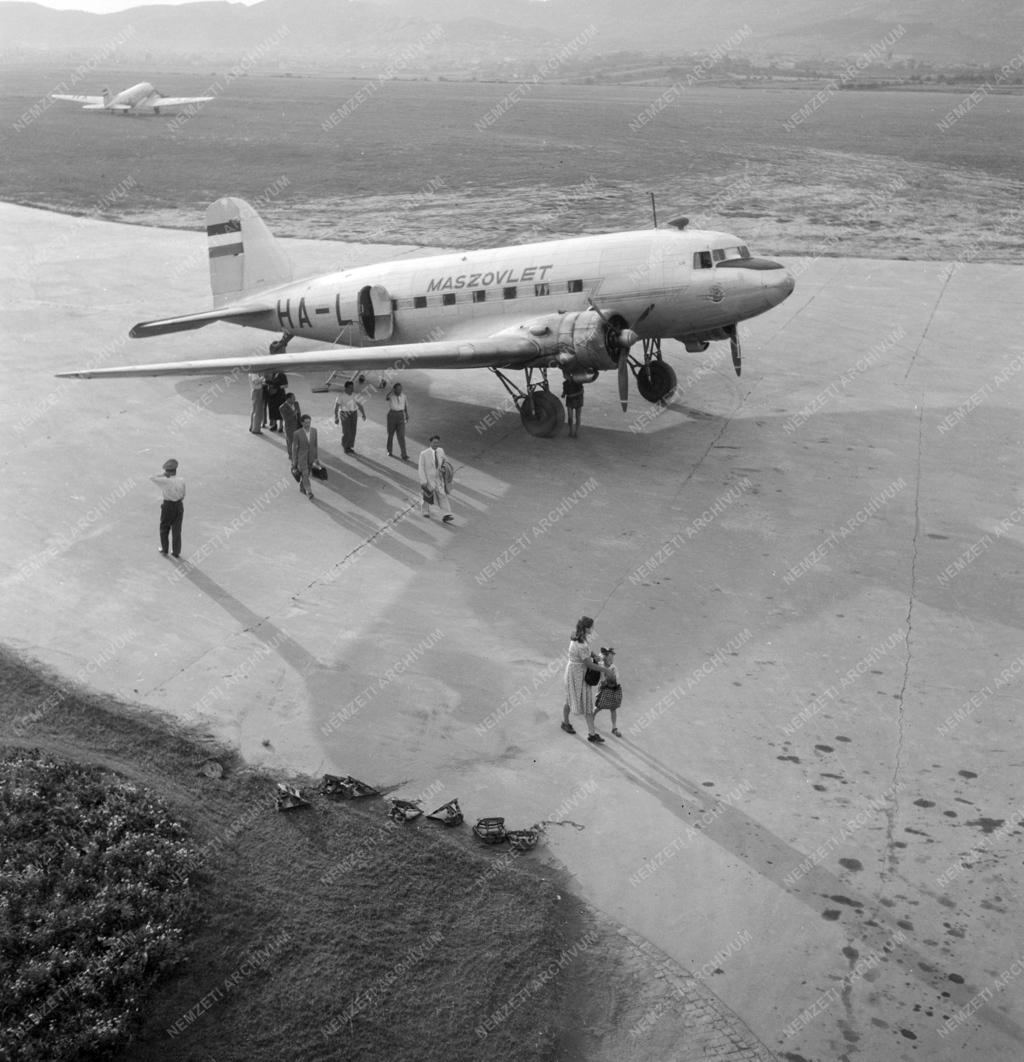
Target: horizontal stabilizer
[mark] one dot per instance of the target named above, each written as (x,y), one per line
(185,323)
(503,353)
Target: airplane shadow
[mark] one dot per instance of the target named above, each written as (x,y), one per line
(819,889)
(360,482)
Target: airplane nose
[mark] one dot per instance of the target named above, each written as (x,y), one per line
(779,285)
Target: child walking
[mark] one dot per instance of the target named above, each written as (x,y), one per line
(610,693)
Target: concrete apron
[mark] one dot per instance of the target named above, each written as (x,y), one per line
(812,575)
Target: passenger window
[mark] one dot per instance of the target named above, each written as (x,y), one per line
(448,299)
(419,302)
(508,293)
(479,296)
(541,289)
(574,285)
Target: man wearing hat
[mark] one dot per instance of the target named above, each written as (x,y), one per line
(172,508)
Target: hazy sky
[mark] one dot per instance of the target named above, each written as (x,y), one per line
(102,7)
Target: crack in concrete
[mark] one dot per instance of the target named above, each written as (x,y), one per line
(892,809)
(927,327)
(384,529)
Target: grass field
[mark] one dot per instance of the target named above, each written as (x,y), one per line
(327,932)
(465,164)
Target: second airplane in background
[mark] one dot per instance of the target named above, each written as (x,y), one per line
(139,99)
(576,306)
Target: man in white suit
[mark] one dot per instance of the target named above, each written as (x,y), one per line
(432,481)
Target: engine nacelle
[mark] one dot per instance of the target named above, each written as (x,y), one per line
(581,343)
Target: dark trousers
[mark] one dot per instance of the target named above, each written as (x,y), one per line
(171,515)
(396,426)
(348,430)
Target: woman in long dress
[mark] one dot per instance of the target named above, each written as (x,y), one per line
(579,697)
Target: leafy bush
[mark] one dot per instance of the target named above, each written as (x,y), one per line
(94,902)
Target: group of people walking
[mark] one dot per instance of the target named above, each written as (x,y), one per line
(276,408)
(591,682)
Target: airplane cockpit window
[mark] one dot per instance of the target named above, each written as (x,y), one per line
(702,260)
(731,252)
(718,254)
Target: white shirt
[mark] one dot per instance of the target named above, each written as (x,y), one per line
(173,488)
(396,402)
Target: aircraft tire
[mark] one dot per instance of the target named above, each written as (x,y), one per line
(662,382)
(543,416)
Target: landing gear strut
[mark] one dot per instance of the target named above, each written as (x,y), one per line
(655,380)
(541,412)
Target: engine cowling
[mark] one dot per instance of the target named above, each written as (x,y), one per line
(580,343)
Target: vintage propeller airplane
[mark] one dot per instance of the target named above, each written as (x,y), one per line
(139,99)
(576,306)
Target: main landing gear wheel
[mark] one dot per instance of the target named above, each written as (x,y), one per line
(542,414)
(656,381)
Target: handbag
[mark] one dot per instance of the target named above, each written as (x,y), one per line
(428,495)
(591,676)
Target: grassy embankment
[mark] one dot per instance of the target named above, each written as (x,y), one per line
(320,933)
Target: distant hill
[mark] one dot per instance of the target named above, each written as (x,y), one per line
(465,37)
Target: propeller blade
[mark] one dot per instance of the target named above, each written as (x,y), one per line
(624,379)
(600,313)
(737,353)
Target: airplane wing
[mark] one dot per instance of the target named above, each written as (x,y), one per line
(502,351)
(177,101)
(87,100)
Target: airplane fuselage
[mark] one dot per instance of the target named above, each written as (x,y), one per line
(137,96)
(697,282)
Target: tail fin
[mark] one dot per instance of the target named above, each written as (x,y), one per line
(106,97)
(244,256)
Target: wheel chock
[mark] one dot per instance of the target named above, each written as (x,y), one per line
(288,797)
(490,831)
(346,787)
(404,810)
(449,814)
